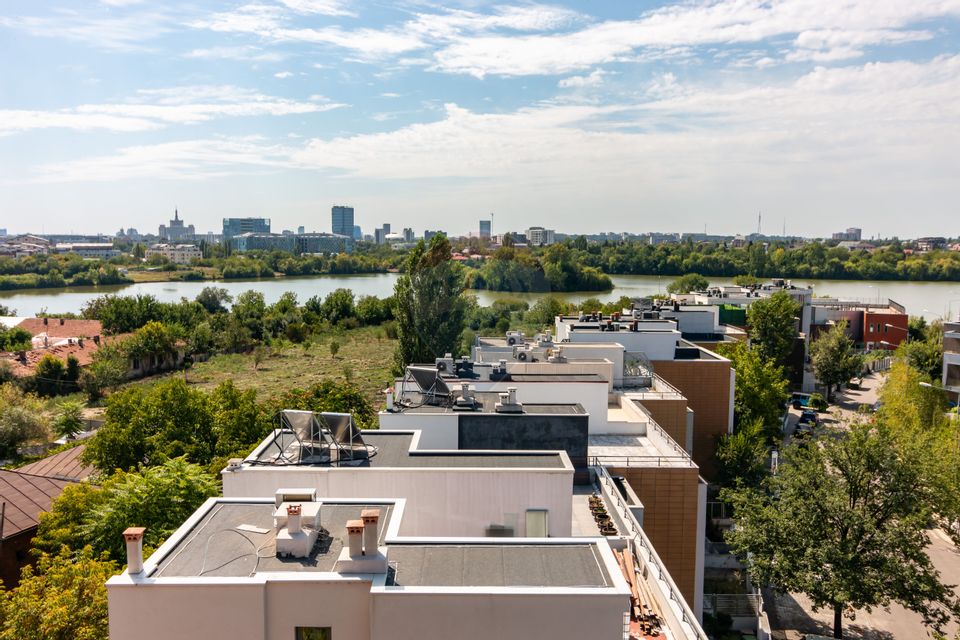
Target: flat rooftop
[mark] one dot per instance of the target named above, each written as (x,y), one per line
(635,451)
(486,403)
(394,449)
(215,546)
(238,540)
(497,565)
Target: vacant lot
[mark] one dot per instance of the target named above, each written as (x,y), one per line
(364,357)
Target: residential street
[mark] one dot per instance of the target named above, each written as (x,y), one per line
(794,612)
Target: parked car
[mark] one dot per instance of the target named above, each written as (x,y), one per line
(809,417)
(799,400)
(803,431)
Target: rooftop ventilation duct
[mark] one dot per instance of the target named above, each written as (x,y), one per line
(508,402)
(133,536)
(467,398)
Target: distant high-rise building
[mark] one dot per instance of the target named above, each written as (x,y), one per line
(357,232)
(484,228)
(3,232)
(852,234)
(380,235)
(341,219)
(540,237)
(427,234)
(237,226)
(176,231)
(301,230)
(408,235)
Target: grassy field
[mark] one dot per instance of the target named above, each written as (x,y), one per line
(142,275)
(363,358)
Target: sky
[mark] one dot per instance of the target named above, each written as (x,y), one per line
(584,116)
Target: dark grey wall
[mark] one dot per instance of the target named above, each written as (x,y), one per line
(524,431)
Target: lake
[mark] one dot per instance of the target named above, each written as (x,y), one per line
(929,299)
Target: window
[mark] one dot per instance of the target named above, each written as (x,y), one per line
(313,633)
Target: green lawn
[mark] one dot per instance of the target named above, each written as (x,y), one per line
(362,355)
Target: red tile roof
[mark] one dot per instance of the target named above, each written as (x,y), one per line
(65,465)
(24,497)
(82,353)
(69,329)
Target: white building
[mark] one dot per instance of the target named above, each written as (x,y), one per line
(178,253)
(540,237)
(100,250)
(367,535)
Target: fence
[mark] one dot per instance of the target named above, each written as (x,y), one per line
(743,605)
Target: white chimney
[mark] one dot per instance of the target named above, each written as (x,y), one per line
(134,539)
(512,392)
(355,537)
(293,518)
(371,539)
(389,399)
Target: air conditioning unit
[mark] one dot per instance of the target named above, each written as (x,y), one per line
(445,364)
(514,338)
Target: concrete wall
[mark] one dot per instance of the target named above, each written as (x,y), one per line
(708,388)
(440,502)
(671,500)
(495,431)
(658,345)
(251,608)
(437,430)
(504,616)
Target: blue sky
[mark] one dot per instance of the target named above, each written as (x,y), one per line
(587,117)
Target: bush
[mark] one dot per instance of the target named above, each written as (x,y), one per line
(817,402)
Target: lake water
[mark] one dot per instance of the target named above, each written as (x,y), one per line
(929,299)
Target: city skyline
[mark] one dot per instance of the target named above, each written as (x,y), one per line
(577,117)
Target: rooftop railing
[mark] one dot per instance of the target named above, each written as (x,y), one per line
(642,548)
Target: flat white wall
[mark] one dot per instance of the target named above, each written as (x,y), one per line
(691,320)
(178,610)
(440,502)
(483,616)
(267,606)
(437,430)
(659,345)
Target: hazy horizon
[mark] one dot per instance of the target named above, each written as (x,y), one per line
(583,117)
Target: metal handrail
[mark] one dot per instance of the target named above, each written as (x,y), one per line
(638,461)
(640,542)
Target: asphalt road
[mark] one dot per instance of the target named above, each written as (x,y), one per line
(795,611)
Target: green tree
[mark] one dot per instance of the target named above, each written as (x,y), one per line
(338,306)
(331,396)
(69,420)
(49,375)
(742,456)
(214,299)
(159,498)
(545,310)
(833,357)
(844,522)
(334,348)
(687,283)
(108,370)
(760,388)
(773,326)
(21,419)
(430,305)
(65,596)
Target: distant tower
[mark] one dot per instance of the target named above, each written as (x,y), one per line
(485,228)
(341,219)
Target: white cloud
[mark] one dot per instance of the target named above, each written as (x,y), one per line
(283,74)
(851,24)
(595,78)
(155,108)
(389,94)
(183,160)
(247,53)
(121,32)
(323,7)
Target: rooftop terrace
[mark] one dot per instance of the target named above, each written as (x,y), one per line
(397,449)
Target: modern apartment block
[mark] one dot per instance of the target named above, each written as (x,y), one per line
(238,226)
(485,229)
(337,533)
(540,237)
(341,221)
(294,243)
(177,253)
(852,234)
(518,404)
